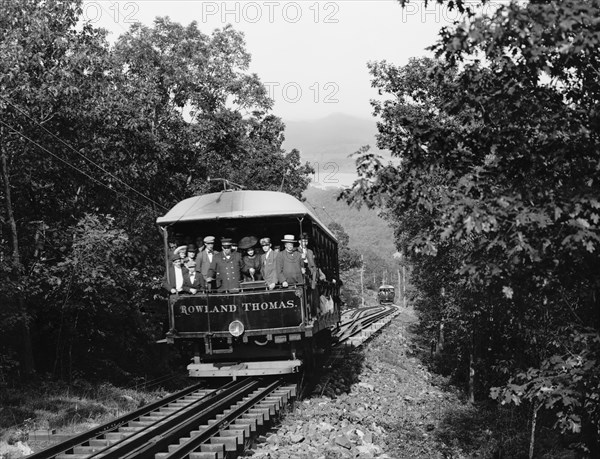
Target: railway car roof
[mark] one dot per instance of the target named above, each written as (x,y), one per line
(238,204)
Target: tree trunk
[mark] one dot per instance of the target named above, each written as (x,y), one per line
(472,368)
(403,286)
(533,423)
(362,284)
(25,349)
(440,341)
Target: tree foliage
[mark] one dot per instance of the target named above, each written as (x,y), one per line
(499,141)
(96,141)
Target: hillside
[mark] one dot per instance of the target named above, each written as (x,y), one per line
(331,139)
(365,228)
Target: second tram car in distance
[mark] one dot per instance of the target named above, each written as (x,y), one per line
(386,294)
(252,330)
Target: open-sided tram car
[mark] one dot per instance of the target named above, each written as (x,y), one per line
(386,294)
(254,330)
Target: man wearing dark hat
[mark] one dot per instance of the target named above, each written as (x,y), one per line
(310,270)
(205,257)
(308,259)
(268,263)
(191,253)
(289,263)
(226,268)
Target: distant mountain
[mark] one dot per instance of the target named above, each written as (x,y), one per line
(331,140)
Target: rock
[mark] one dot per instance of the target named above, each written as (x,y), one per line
(325,426)
(342,441)
(368,450)
(296,438)
(366,386)
(273,439)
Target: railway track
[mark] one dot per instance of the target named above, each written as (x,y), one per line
(358,325)
(195,423)
(201,423)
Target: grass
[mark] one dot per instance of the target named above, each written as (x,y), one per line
(67,408)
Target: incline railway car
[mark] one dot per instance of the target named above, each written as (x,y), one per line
(386,294)
(252,330)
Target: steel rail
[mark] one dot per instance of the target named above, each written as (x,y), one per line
(360,324)
(113,425)
(159,438)
(183,450)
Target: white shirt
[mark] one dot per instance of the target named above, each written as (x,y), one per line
(178,278)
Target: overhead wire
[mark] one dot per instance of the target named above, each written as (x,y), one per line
(322,208)
(36,122)
(19,133)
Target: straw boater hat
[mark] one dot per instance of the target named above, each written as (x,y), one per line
(288,238)
(181,248)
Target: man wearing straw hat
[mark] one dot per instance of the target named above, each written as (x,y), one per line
(289,263)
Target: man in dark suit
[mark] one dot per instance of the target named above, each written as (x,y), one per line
(226,268)
(308,258)
(205,257)
(310,272)
(290,269)
(192,280)
(268,263)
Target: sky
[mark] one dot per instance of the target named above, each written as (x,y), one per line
(312,55)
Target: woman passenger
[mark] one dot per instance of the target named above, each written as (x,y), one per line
(251,263)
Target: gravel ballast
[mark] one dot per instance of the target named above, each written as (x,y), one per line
(378,401)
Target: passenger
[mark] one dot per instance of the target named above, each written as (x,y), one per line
(251,261)
(192,281)
(226,268)
(181,252)
(200,244)
(234,250)
(310,272)
(268,263)
(308,257)
(289,263)
(191,253)
(174,278)
(205,258)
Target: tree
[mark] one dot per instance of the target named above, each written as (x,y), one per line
(96,142)
(348,257)
(499,144)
